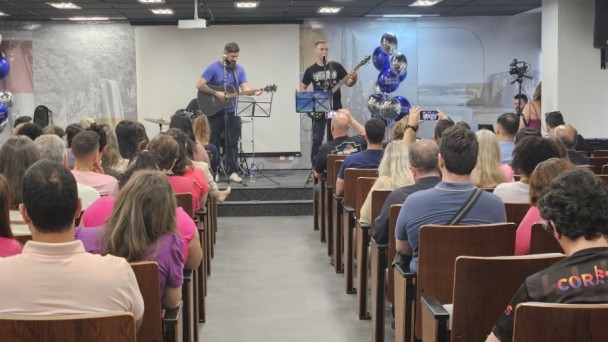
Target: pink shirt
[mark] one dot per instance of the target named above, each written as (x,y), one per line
(106,185)
(524,231)
(9,247)
(507,171)
(183,184)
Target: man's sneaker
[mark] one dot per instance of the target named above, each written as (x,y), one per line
(235,178)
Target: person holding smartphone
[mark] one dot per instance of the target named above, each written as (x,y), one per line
(417,116)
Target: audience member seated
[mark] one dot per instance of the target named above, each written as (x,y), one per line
(423,165)
(576,208)
(489,172)
(70,133)
(457,158)
(53,148)
(54,129)
(8,245)
(143,227)
(181,120)
(30,130)
(16,155)
(87,170)
(103,146)
(22,120)
(369,158)
(202,133)
(507,126)
(166,151)
(54,275)
(111,157)
(443,123)
(393,172)
(142,136)
(554,119)
(544,173)
(126,136)
(527,154)
(569,136)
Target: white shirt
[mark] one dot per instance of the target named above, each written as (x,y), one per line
(514,192)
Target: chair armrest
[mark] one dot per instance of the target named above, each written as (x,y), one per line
(348,209)
(373,243)
(188,275)
(363,225)
(172,324)
(434,320)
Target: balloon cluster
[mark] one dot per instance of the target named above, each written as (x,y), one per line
(393,70)
(6,98)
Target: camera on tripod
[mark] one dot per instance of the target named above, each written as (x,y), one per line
(519,68)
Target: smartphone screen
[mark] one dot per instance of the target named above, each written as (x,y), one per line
(330,115)
(429,115)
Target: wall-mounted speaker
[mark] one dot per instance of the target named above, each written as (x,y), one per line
(600,39)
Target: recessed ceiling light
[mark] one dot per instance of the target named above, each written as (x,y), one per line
(162,11)
(64,5)
(2,14)
(88,18)
(329,10)
(246,4)
(152,1)
(424,3)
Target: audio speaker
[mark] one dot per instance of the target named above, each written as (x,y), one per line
(600,39)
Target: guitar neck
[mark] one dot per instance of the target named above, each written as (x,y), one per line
(343,80)
(242,93)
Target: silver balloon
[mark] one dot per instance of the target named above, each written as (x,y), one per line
(388,42)
(377,88)
(399,64)
(373,103)
(0,39)
(389,109)
(6,98)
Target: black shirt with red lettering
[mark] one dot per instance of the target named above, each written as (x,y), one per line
(581,278)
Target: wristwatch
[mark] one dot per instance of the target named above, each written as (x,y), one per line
(414,128)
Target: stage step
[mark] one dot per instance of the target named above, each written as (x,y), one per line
(269,201)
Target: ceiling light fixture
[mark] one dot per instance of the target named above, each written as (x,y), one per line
(246,4)
(329,10)
(88,18)
(64,5)
(424,3)
(162,11)
(151,1)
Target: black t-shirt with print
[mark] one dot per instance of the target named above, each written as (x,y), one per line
(581,278)
(341,145)
(325,78)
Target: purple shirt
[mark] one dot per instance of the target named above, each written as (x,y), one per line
(214,75)
(166,252)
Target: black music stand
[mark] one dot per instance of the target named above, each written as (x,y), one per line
(249,107)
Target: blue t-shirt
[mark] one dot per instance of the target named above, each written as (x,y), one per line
(368,159)
(214,75)
(438,205)
(506,151)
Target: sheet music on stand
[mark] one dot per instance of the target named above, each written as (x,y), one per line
(254,109)
(313,101)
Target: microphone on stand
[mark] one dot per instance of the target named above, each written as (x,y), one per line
(324,60)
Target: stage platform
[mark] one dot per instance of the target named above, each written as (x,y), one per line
(273,193)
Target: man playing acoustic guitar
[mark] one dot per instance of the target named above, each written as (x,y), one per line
(221,79)
(324,75)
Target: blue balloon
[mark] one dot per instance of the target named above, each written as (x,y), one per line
(402,77)
(3,113)
(405,107)
(388,81)
(381,60)
(5,68)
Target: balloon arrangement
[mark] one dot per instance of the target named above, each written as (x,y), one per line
(6,98)
(393,70)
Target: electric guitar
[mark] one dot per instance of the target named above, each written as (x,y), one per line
(318,115)
(211,105)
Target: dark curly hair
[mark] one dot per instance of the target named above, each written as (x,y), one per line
(459,150)
(577,202)
(530,151)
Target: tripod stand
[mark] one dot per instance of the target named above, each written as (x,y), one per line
(249,110)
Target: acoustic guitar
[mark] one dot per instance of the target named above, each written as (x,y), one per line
(211,105)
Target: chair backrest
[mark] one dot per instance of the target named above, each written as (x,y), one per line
(184,200)
(598,163)
(439,247)
(378,199)
(146,273)
(101,327)
(600,153)
(331,167)
(393,214)
(516,212)
(364,185)
(331,178)
(477,304)
(543,242)
(560,322)
(605,169)
(350,183)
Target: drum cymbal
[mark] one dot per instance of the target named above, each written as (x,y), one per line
(157,121)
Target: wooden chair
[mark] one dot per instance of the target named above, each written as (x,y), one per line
(604,169)
(516,212)
(604,177)
(560,322)
(348,220)
(101,327)
(597,163)
(363,239)
(379,263)
(317,212)
(543,242)
(334,230)
(477,304)
(22,239)
(334,161)
(155,327)
(600,153)
(439,247)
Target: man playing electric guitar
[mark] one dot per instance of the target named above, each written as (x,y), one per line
(226,74)
(324,75)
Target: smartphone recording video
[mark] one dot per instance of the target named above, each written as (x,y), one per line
(330,115)
(429,115)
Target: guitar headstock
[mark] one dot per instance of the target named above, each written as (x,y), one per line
(365,60)
(270,88)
